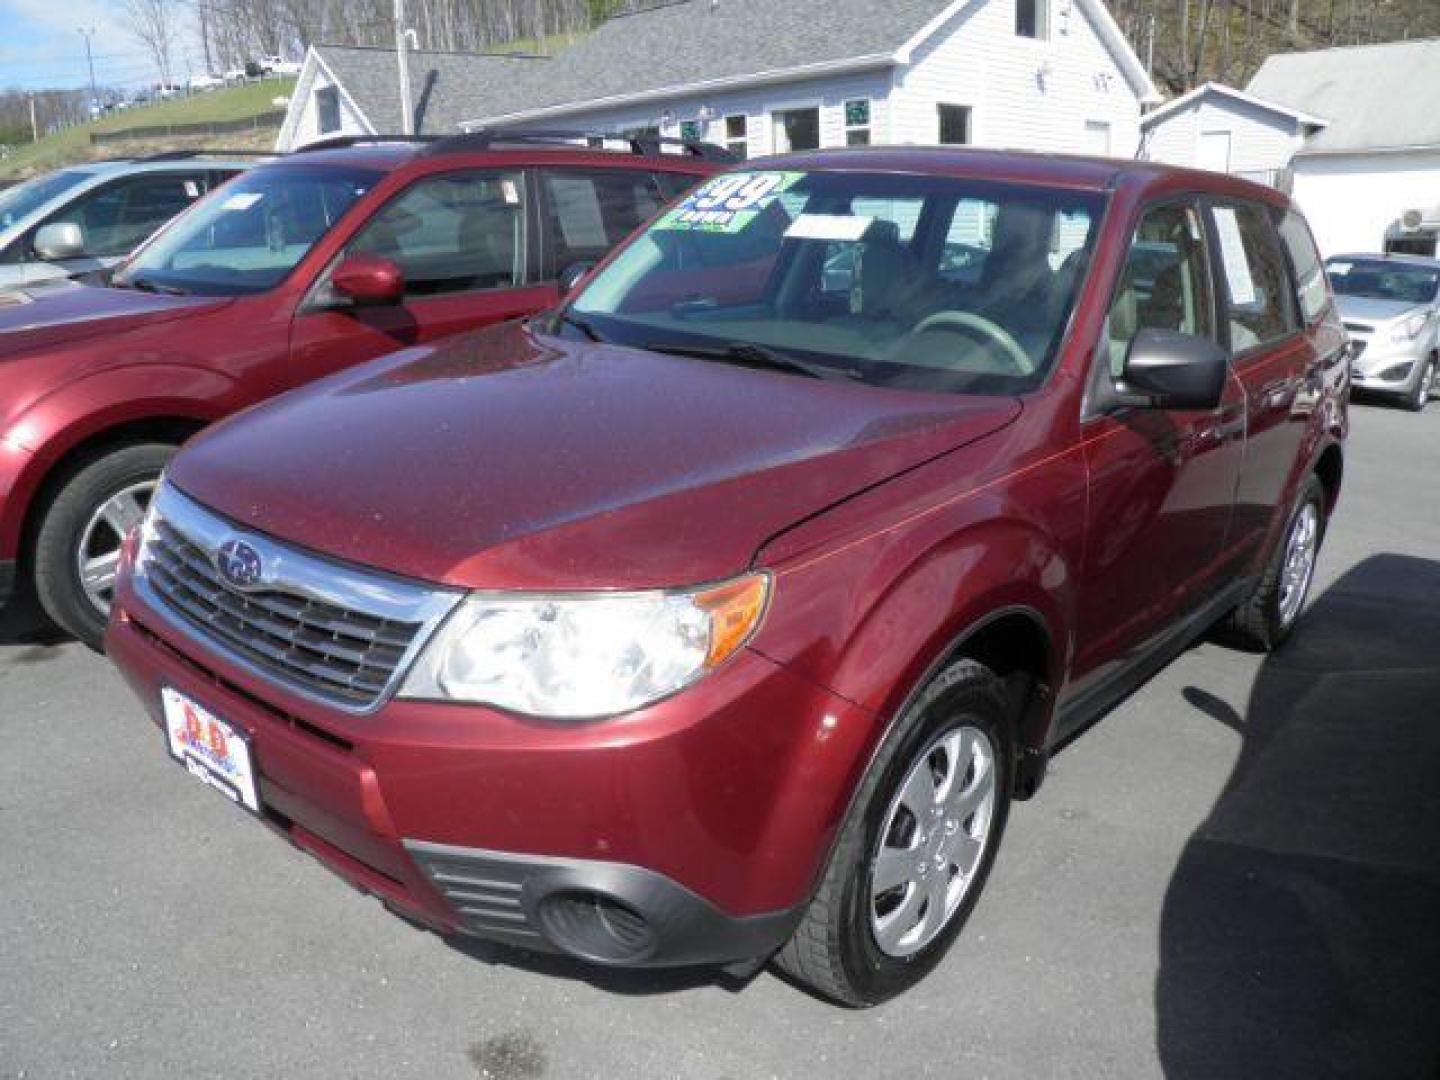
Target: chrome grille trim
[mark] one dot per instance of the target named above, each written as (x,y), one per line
(333,633)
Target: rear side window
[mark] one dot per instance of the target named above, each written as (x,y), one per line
(1257,282)
(117,217)
(454,233)
(588,213)
(1309,271)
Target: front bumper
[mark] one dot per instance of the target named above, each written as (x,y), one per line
(707,816)
(1384,367)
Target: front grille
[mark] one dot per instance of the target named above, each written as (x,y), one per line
(342,654)
(333,632)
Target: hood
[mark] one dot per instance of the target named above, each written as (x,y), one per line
(500,459)
(53,315)
(1375,311)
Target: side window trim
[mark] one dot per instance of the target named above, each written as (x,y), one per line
(1297,327)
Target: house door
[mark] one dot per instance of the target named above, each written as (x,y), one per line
(797,129)
(1214,151)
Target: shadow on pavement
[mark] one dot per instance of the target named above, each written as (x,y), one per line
(1301,930)
(23,623)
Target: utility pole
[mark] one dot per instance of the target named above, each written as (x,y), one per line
(34,127)
(87,32)
(407,119)
(1150,45)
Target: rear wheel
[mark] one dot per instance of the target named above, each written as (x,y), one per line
(916,847)
(78,546)
(1265,620)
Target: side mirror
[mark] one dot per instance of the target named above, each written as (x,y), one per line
(572,275)
(368,281)
(60,240)
(1166,369)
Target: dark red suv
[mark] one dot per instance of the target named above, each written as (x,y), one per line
(721,613)
(297,269)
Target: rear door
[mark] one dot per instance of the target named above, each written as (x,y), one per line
(464,242)
(1273,357)
(1161,482)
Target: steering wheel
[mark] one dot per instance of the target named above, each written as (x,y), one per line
(965,322)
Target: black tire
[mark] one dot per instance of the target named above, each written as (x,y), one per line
(57,577)
(1417,399)
(834,951)
(1256,624)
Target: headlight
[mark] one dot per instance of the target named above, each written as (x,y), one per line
(579,656)
(1409,328)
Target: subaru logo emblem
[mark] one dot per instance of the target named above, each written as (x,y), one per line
(239,564)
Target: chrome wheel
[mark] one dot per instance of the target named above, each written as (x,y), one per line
(1301,548)
(98,553)
(932,841)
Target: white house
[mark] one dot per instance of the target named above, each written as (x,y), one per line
(763,76)
(1220,128)
(1370,179)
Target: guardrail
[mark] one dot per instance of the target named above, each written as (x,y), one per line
(272,119)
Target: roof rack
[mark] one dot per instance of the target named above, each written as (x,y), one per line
(185,155)
(644,145)
(340,142)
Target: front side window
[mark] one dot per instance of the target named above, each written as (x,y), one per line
(1165,284)
(589,212)
(117,217)
(915,282)
(251,234)
(1384,279)
(453,233)
(1252,265)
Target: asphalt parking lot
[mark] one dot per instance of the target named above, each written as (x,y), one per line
(1237,874)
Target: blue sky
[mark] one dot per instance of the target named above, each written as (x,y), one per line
(40,45)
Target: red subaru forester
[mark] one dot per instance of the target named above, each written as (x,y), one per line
(720,613)
(299,268)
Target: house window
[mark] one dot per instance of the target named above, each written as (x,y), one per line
(1032,18)
(690,130)
(954,125)
(1097,137)
(797,129)
(857,123)
(737,136)
(327,105)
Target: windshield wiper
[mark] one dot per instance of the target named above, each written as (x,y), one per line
(580,324)
(748,354)
(146,285)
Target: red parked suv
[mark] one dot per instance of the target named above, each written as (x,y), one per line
(295,270)
(722,612)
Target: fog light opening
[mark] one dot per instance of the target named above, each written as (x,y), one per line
(596,927)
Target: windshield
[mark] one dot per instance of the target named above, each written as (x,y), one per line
(249,235)
(21,201)
(917,282)
(1380,279)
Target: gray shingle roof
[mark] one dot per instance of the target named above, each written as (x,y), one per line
(671,45)
(446,88)
(1375,96)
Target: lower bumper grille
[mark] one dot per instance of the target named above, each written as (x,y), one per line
(484,893)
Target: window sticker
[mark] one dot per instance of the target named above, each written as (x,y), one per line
(192,189)
(1232,254)
(1341,268)
(509,192)
(242,200)
(841,227)
(727,204)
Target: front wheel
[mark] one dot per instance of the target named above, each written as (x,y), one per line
(78,546)
(916,847)
(1419,396)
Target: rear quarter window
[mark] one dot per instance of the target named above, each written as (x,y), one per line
(1310,285)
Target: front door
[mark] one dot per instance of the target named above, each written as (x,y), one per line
(462,241)
(1161,482)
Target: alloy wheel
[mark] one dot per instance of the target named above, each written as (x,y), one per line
(932,841)
(1301,548)
(98,553)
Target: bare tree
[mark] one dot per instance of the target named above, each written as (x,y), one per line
(151,25)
